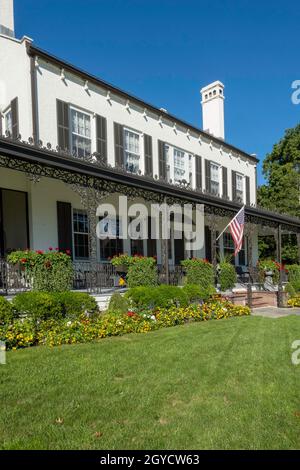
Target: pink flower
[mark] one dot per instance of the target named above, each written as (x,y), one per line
(50,248)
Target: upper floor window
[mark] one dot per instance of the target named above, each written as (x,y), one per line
(215,178)
(179,165)
(81,234)
(8,121)
(191,170)
(132,151)
(239,187)
(81,133)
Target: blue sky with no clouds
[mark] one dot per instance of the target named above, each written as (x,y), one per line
(164,51)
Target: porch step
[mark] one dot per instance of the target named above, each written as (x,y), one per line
(103,299)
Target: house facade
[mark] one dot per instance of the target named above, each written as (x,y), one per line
(69,141)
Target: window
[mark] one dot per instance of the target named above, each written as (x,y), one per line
(81,133)
(168,166)
(111,247)
(239,188)
(81,234)
(179,165)
(228,246)
(215,180)
(242,254)
(132,151)
(191,170)
(136,246)
(8,121)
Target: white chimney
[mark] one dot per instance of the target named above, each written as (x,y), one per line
(7,23)
(213,109)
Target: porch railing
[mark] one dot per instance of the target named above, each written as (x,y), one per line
(13,279)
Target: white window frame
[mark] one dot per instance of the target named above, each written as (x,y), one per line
(243,185)
(218,170)
(170,163)
(5,114)
(138,155)
(89,115)
(82,211)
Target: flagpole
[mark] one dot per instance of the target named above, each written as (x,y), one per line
(230,223)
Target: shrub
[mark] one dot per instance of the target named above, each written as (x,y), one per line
(6,312)
(75,304)
(294,301)
(52,271)
(43,306)
(118,304)
(197,293)
(227,276)
(142,274)
(162,296)
(290,290)
(267,265)
(199,271)
(39,306)
(293,272)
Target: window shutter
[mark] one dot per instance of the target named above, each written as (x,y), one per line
(225,182)
(179,249)
(248,190)
(119,145)
(101,135)
(64,226)
(1,125)
(148,155)
(207,243)
(14,106)
(198,172)
(233,180)
(151,243)
(162,160)
(63,125)
(207,176)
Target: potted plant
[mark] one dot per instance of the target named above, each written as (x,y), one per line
(269,271)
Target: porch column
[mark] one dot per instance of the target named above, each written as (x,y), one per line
(213,225)
(298,245)
(165,250)
(279,260)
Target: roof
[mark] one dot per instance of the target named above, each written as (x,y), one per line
(35,51)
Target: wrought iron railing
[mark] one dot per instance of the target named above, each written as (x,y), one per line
(13,279)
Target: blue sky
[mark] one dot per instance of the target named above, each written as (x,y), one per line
(164,51)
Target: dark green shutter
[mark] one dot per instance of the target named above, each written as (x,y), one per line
(119,144)
(198,172)
(64,226)
(248,190)
(148,155)
(207,243)
(207,176)
(225,182)
(233,181)
(1,125)
(63,125)
(151,243)
(101,136)
(14,106)
(162,160)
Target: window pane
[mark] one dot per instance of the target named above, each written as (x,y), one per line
(179,165)
(81,234)
(81,133)
(132,151)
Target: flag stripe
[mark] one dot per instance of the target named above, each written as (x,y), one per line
(236,227)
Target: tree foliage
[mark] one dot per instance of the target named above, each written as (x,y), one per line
(281,193)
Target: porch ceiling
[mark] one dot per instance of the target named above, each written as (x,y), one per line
(43,161)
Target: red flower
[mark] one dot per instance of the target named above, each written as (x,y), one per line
(50,248)
(130,314)
(39,252)
(68,252)
(23,260)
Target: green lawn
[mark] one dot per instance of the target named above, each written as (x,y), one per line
(221,384)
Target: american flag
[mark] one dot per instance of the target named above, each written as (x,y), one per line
(236,227)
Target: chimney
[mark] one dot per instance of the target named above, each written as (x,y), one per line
(7,23)
(213,109)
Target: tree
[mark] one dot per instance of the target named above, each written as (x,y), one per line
(281,193)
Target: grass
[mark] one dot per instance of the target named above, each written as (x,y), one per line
(226,384)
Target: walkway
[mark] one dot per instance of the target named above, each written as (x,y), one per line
(274,312)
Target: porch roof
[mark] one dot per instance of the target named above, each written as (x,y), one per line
(30,158)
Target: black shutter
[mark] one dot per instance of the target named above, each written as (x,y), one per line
(162,160)
(101,135)
(233,181)
(207,176)
(207,243)
(63,125)
(151,243)
(1,125)
(248,190)
(225,182)
(179,250)
(119,145)
(64,226)
(14,106)
(148,155)
(198,172)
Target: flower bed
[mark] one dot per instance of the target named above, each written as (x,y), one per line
(294,301)
(54,332)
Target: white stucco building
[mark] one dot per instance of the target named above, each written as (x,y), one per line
(57,119)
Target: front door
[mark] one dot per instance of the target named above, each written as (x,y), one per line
(13,221)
